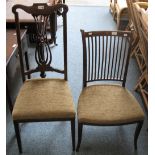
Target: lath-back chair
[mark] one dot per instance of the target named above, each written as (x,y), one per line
(43,99)
(104,100)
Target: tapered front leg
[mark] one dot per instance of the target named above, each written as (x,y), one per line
(16,126)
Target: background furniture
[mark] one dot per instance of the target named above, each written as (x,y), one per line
(142,87)
(26,20)
(44,99)
(138,23)
(142,24)
(104,100)
(119,11)
(13,73)
(113,8)
(134,25)
(122,14)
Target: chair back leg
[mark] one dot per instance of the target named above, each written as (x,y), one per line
(73,133)
(80,127)
(137,132)
(16,126)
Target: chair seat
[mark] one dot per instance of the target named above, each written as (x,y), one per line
(108,104)
(44,99)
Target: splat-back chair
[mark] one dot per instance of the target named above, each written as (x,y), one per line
(43,99)
(104,100)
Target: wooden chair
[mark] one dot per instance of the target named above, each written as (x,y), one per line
(43,99)
(133,25)
(142,23)
(142,88)
(104,100)
(113,8)
(141,51)
(142,3)
(122,14)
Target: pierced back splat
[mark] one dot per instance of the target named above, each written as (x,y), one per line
(43,55)
(42,13)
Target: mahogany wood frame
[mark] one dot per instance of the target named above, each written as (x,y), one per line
(86,61)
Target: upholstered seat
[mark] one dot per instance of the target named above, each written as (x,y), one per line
(44,99)
(108,104)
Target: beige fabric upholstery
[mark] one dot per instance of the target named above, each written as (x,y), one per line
(108,104)
(44,99)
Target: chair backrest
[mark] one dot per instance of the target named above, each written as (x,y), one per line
(41,15)
(105,55)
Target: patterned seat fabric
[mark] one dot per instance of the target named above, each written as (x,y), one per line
(44,99)
(108,104)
